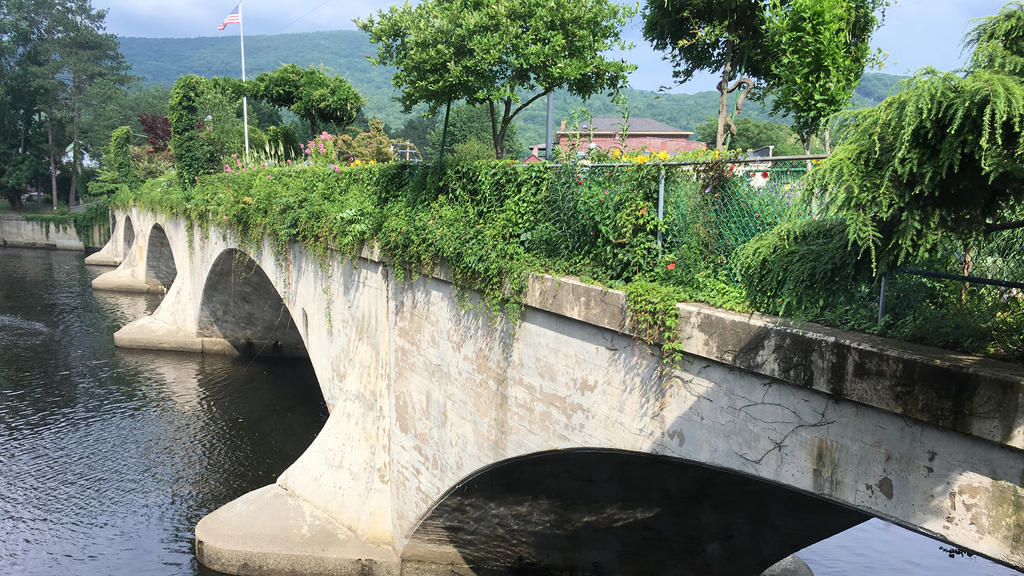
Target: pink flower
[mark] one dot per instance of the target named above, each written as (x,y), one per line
(228,169)
(225,217)
(264,164)
(289,162)
(269,176)
(234,155)
(335,168)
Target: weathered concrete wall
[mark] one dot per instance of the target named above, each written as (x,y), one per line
(121,241)
(16,231)
(425,393)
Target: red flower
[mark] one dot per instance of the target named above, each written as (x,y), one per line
(671,266)
(764,175)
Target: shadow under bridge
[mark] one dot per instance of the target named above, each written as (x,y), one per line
(587,511)
(241,305)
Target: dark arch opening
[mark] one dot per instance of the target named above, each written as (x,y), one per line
(129,236)
(241,305)
(160,268)
(613,512)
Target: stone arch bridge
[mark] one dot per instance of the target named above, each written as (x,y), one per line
(458,443)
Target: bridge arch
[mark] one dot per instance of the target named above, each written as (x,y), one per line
(127,236)
(611,511)
(241,305)
(160,267)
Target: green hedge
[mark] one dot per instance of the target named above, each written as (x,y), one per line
(491,222)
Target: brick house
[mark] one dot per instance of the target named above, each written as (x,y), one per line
(643,134)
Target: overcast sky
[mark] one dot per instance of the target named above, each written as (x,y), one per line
(916,33)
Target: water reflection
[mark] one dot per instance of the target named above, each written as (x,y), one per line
(110,457)
(882,549)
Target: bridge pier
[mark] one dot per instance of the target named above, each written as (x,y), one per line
(122,237)
(437,409)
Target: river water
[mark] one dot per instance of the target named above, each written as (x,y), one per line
(109,457)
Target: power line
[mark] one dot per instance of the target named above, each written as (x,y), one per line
(303,16)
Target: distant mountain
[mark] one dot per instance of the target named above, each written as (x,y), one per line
(162,60)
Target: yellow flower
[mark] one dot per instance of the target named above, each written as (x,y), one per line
(357,163)
(616,153)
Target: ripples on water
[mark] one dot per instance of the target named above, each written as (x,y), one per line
(108,458)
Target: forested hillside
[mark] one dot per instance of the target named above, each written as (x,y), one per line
(162,60)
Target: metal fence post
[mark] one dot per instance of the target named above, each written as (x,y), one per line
(881,299)
(661,202)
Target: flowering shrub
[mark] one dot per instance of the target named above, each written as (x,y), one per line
(321,150)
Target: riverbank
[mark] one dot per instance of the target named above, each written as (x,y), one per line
(17,231)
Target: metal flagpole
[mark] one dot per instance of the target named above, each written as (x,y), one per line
(245,104)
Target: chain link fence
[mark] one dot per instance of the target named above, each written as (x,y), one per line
(961,297)
(720,207)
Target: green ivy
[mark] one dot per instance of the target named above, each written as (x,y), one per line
(118,157)
(193,153)
(95,214)
(491,223)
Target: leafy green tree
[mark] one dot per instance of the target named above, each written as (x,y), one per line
(80,54)
(261,114)
(374,145)
(820,50)
(193,147)
(711,35)
(504,54)
(468,123)
(943,155)
(23,148)
(752,134)
(111,106)
(310,94)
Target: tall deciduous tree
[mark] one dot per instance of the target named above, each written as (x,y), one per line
(943,155)
(473,123)
(310,94)
(724,36)
(22,145)
(503,54)
(78,54)
(820,50)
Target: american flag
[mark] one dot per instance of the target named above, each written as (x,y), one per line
(233,18)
